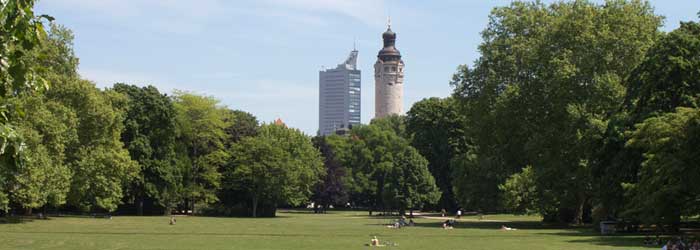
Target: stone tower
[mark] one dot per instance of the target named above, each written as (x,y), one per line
(388,78)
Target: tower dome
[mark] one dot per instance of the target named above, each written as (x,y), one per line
(389,51)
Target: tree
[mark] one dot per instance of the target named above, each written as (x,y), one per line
(149,135)
(279,165)
(438,133)
(384,171)
(409,184)
(43,179)
(520,192)
(544,89)
(666,189)
(332,189)
(666,133)
(395,123)
(100,164)
(20,31)
(241,124)
(200,124)
(668,77)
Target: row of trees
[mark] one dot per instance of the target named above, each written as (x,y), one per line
(68,145)
(575,110)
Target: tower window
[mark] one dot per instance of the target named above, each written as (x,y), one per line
(386,68)
(393,69)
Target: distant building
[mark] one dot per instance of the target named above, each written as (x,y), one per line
(279,122)
(339,97)
(388,78)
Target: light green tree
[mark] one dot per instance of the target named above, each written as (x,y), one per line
(201,121)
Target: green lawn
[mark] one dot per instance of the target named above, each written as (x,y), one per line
(297,230)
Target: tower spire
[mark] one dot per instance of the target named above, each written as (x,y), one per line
(388,22)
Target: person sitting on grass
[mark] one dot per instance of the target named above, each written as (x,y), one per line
(172,220)
(374,242)
(448,224)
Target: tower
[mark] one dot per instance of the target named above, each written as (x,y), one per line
(388,78)
(339,96)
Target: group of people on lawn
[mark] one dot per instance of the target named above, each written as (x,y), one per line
(677,244)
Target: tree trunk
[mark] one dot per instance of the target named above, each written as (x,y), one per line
(139,208)
(255,206)
(578,219)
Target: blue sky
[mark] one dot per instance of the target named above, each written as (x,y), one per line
(263,56)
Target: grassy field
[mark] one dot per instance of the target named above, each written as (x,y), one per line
(298,230)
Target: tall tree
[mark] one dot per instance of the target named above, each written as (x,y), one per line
(200,123)
(332,189)
(437,129)
(543,91)
(21,31)
(44,178)
(665,81)
(149,135)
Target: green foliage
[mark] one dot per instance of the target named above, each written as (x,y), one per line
(149,136)
(409,184)
(20,31)
(278,166)
(667,188)
(543,91)
(383,170)
(43,179)
(669,76)
(520,192)
(241,124)
(438,133)
(333,187)
(201,124)
(98,160)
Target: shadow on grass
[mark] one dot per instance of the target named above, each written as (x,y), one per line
(18,219)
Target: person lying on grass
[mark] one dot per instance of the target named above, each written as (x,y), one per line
(504,228)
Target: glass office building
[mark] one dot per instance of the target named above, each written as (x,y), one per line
(339,105)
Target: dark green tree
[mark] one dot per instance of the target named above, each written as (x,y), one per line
(667,186)
(437,129)
(332,189)
(149,135)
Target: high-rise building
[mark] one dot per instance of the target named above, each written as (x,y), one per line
(388,78)
(339,97)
